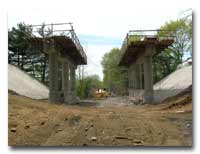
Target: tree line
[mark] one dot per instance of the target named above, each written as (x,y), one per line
(22,55)
(116,77)
(35,63)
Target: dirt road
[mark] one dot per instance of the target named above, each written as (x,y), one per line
(38,123)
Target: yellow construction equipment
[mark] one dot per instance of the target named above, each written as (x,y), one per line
(100,94)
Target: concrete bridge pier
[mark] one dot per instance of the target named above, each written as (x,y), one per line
(62,80)
(53,77)
(139,53)
(137,76)
(73,96)
(65,54)
(148,74)
(65,82)
(148,79)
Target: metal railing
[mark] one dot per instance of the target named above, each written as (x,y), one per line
(58,29)
(140,35)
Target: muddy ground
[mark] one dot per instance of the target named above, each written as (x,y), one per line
(109,122)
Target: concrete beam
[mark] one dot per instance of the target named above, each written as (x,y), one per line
(150,50)
(48,47)
(67,59)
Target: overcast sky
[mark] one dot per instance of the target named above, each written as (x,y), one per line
(98,31)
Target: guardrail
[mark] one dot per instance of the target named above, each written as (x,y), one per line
(139,35)
(58,29)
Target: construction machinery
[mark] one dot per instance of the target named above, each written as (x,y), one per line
(100,94)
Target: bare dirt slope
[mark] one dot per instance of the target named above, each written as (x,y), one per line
(23,84)
(38,123)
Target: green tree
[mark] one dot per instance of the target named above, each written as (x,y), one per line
(168,60)
(23,55)
(18,44)
(44,66)
(87,85)
(181,29)
(115,77)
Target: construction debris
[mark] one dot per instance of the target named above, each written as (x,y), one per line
(13,129)
(93,138)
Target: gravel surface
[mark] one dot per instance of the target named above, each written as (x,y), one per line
(39,123)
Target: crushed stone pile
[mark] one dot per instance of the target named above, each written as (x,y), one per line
(23,84)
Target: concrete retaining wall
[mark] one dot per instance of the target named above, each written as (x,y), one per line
(23,84)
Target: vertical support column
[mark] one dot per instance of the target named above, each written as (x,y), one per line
(148,79)
(137,76)
(65,81)
(130,83)
(133,76)
(141,76)
(53,76)
(73,84)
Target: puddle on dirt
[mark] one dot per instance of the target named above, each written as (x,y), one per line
(172,119)
(187,131)
(185,126)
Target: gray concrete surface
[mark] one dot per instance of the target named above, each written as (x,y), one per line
(23,84)
(173,84)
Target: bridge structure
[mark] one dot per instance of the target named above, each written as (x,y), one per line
(60,42)
(137,51)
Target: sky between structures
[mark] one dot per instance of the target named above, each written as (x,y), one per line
(98,33)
